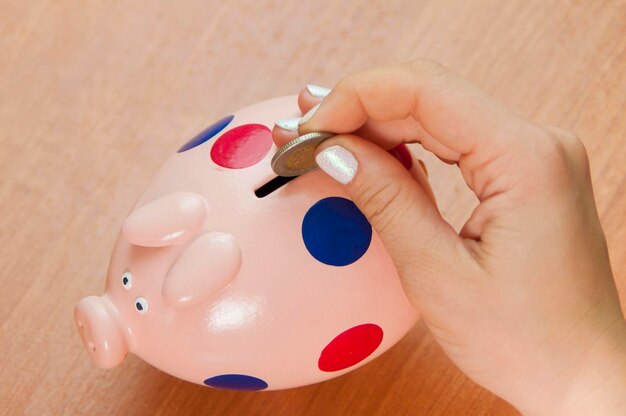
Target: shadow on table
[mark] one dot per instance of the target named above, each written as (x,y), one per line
(413,377)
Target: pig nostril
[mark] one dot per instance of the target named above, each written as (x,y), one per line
(101,337)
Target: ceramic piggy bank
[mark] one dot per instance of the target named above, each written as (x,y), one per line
(228,276)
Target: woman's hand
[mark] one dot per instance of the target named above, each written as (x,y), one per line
(523,298)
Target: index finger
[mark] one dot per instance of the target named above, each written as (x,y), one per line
(452,111)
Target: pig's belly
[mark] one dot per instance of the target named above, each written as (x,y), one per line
(295,326)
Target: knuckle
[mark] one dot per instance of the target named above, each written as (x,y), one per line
(344,83)
(566,146)
(381,202)
(427,67)
(576,150)
(563,156)
(553,148)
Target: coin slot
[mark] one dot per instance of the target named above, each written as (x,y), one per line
(273,185)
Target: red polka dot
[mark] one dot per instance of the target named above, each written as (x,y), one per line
(242,146)
(350,347)
(402,153)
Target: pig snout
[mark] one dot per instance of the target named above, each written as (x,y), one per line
(99,331)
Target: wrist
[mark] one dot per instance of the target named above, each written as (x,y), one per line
(585,375)
(599,385)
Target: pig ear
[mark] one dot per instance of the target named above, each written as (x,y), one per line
(172,219)
(206,266)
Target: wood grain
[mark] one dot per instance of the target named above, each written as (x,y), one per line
(95,95)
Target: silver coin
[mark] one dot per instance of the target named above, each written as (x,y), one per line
(297,157)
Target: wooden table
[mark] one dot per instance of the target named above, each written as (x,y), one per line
(94,96)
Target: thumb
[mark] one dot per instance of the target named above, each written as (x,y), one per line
(421,243)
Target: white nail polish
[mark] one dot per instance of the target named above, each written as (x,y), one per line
(338,163)
(308,115)
(290,124)
(317,91)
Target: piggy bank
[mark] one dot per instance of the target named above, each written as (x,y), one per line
(228,276)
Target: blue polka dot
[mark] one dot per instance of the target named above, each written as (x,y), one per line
(206,134)
(335,232)
(236,382)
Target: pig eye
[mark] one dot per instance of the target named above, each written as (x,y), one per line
(127,280)
(141,305)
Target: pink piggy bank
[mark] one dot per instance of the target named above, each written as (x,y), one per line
(228,276)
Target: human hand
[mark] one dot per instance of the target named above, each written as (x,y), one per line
(523,298)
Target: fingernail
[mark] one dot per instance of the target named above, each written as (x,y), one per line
(308,115)
(290,124)
(338,163)
(317,91)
